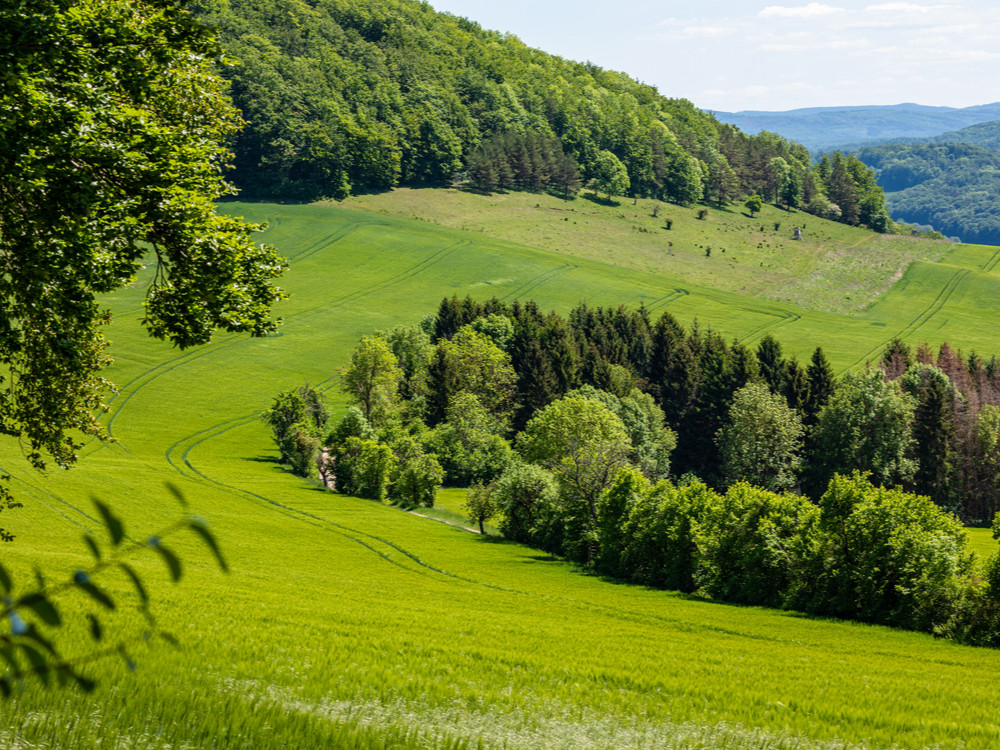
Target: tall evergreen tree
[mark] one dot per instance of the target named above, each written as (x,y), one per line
(933,432)
(822,384)
(772,364)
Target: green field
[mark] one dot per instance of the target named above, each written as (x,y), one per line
(345,623)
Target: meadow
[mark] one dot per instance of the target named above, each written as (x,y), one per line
(345,623)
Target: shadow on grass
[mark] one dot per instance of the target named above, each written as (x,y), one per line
(600,200)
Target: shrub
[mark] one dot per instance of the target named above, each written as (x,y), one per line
(419,480)
(526,495)
(885,556)
(753,545)
(364,468)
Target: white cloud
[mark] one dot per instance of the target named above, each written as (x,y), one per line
(835,45)
(812,10)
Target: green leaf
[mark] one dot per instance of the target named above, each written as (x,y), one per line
(96,632)
(38,663)
(176,492)
(63,675)
(10,657)
(173,564)
(129,664)
(200,527)
(94,549)
(114,525)
(93,592)
(136,581)
(41,606)
(85,683)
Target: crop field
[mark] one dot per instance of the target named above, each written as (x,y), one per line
(349,624)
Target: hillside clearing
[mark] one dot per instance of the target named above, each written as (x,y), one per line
(833,268)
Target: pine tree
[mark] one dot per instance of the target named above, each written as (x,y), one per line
(933,431)
(821,385)
(772,365)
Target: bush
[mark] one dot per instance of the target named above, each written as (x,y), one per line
(526,496)
(753,545)
(364,468)
(659,548)
(884,556)
(419,480)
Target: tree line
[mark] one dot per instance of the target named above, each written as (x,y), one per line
(474,374)
(671,457)
(362,95)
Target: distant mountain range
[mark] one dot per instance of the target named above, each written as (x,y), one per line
(827,128)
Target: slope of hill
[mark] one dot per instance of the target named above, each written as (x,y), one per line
(984,135)
(828,128)
(349,624)
(833,268)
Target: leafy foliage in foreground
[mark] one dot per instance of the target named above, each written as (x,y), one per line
(112,145)
(37,636)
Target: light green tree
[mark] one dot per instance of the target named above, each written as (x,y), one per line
(471,362)
(420,477)
(610,175)
(582,442)
(525,495)
(754,204)
(372,378)
(480,505)
(762,441)
(865,426)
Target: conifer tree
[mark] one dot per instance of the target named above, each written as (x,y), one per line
(772,365)
(821,385)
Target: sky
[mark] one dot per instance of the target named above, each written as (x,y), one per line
(732,56)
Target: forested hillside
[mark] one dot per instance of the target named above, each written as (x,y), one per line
(345,96)
(950,183)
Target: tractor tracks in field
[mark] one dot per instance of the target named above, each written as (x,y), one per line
(989,265)
(943,295)
(178,456)
(780,320)
(538,281)
(134,386)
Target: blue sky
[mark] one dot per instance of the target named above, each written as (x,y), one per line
(730,56)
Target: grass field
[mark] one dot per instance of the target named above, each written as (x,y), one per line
(345,623)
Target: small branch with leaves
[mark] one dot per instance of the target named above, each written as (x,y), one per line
(29,651)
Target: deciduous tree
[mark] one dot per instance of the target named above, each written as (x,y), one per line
(112,148)
(372,378)
(762,441)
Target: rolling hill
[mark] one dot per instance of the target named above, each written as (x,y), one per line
(346,623)
(829,128)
